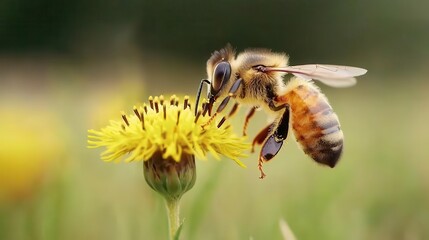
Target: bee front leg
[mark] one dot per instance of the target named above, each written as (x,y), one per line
(231,113)
(274,142)
(225,101)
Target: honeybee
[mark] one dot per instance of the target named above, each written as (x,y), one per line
(255,77)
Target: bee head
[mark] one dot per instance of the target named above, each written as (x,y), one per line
(219,73)
(220,78)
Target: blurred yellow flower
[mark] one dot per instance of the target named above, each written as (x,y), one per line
(29,145)
(169,128)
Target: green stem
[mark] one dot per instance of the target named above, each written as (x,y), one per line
(173,209)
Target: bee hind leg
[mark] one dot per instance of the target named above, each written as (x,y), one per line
(262,135)
(274,142)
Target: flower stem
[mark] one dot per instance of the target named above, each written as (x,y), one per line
(173,210)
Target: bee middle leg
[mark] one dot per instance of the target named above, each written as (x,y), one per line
(274,142)
(248,117)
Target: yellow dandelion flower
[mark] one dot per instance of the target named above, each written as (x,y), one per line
(167,136)
(169,128)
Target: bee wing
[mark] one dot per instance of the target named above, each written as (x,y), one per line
(331,75)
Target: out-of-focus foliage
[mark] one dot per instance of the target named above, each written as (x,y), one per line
(308,30)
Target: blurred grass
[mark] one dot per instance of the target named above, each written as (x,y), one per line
(380,189)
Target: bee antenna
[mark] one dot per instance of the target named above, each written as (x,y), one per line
(200,88)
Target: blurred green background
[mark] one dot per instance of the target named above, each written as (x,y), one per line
(66,67)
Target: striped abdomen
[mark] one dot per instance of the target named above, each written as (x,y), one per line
(315,125)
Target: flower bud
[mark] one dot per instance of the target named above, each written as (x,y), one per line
(168,177)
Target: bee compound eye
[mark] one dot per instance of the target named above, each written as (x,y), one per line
(221,75)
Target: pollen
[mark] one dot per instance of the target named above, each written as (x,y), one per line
(169,128)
